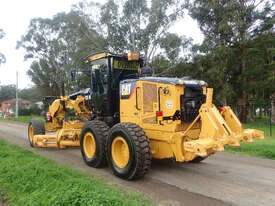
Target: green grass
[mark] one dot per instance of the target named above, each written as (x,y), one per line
(29,179)
(262,124)
(25,119)
(1,199)
(259,148)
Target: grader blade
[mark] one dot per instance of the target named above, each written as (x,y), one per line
(53,140)
(45,141)
(68,136)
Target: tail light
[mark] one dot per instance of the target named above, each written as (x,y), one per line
(159,115)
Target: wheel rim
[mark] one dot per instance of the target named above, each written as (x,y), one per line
(31,134)
(89,145)
(120,152)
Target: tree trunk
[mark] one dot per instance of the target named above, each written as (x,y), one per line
(266,112)
(239,111)
(251,111)
(273,108)
(235,109)
(244,95)
(224,102)
(244,107)
(261,112)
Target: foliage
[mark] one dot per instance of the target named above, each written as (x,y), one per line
(7,92)
(231,28)
(136,25)
(55,46)
(29,179)
(24,112)
(32,94)
(2,56)
(35,110)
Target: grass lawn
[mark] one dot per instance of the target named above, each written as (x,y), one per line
(1,199)
(29,179)
(25,119)
(259,148)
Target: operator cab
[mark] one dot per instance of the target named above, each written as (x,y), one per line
(107,70)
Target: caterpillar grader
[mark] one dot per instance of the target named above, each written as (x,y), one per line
(126,118)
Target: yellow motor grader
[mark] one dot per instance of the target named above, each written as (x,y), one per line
(125,119)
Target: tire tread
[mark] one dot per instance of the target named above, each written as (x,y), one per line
(101,129)
(38,128)
(142,145)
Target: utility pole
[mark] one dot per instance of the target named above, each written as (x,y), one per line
(16,109)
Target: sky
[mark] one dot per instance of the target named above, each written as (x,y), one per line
(15,16)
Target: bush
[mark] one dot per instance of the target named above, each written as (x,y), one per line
(24,112)
(35,110)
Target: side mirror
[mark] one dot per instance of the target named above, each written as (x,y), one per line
(146,71)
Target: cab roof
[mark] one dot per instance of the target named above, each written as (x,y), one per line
(101,55)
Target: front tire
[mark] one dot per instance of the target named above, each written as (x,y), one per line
(93,143)
(128,151)
(35,127)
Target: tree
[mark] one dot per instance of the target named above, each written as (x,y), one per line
(32,94)
(136,25)
(57,46)
(229,27)
(7,92)
(2,56)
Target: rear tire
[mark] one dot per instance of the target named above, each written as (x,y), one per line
(128,151)
(93,143)
(35,127)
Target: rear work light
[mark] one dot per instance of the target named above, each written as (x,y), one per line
(132,56)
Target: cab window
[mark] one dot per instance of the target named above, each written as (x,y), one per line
(99,77)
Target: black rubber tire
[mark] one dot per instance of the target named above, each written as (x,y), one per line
(100,130)
(38,128)
(139,149)
(198,159)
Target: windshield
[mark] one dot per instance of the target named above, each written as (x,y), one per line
(124,69)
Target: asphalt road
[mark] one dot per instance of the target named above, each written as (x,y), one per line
(222,179)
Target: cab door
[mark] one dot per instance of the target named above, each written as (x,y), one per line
(99,86)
